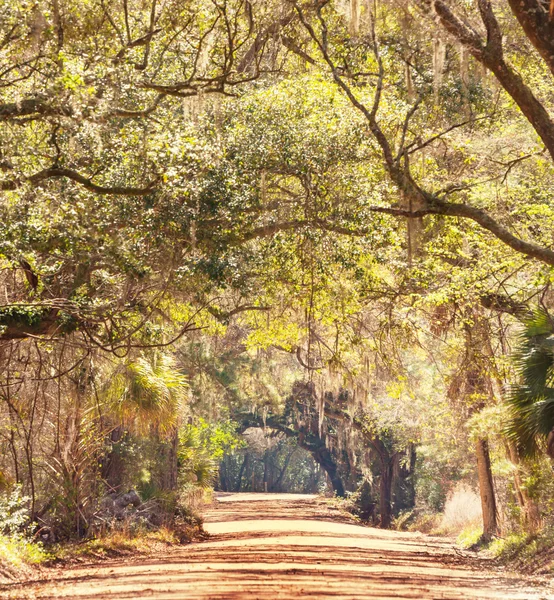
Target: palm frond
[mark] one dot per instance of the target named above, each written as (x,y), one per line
(532,401)
(149,391)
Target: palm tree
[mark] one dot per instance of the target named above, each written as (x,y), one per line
(532,401)
(152,393)
(198,467)
(147,397)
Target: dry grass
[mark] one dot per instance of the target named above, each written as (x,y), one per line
(461,517)
(126,541)
(461,511)
(19,559)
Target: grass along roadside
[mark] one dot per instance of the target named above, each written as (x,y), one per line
(21,558)
(18,557)
(526,553)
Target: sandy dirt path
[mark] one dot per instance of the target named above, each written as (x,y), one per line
(292,547)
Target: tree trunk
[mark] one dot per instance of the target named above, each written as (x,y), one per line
(538,26)
(113,466)
(169,466)
(276,487)
(241,472)
(253,479)
(530,509)
(385,493)
(323,457)
(486,490)
(266,470)
(222,475)
(478,363)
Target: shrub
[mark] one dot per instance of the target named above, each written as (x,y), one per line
(425,522)
(18,551)
(14,513)
(470,536)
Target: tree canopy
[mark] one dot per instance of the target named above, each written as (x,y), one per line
(328,220)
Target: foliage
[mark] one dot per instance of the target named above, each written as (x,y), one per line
(528,553)
(308,232)
(14,513)
(532,400)
(462,510)
(18,552)
(470,537)
(17,546)
(217,439)
(198,465)
(150,390)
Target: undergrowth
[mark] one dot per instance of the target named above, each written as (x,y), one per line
(17,552)
(19,555)
(527,553)
(124,541)
(470,536)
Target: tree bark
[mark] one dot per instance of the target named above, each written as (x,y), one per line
(486,490)
(323,457)
(538,26)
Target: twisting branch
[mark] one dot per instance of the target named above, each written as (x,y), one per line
(40,107)
(422,201)
(37,106)
(129,113)
(538,24)
(58,172)
(452,209)
(490,54)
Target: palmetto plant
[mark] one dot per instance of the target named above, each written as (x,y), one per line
(197,466)
(148,392)
(532,400)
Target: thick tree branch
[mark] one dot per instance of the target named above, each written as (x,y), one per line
(434,206)
(38,107)
(538,25)
(261,40)
(32,106)
(58,172)
(129,113)
(451,209)
(422,202)
(294,47)
(321,224)
(505,304)
(490,55)
(225,315)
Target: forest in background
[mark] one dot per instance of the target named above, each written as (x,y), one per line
(276,246)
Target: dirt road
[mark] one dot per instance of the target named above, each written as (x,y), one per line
(282,546)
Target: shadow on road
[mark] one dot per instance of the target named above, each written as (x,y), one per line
(274,548)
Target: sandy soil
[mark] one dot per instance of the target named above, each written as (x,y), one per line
(269,546)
